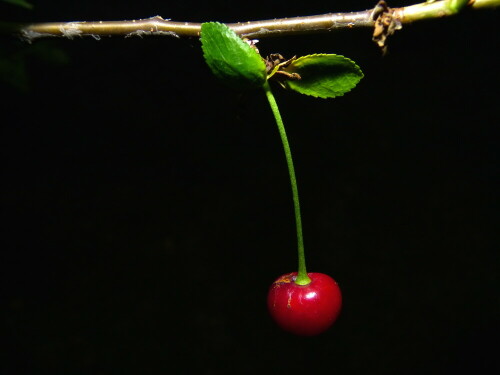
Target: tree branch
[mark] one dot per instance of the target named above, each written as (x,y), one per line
(259,29)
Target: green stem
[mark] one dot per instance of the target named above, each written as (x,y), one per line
(302,278)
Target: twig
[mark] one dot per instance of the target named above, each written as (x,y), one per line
(253,29)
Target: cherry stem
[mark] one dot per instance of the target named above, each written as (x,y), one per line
(302,278)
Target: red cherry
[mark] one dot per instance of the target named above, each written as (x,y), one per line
(304,310)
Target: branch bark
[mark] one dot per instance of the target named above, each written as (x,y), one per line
(157,26)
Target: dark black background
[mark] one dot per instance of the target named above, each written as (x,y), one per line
(146,208)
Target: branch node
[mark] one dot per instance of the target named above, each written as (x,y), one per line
(385,24)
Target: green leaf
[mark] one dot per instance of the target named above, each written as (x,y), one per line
(230,58)
(323,75)
(20,3)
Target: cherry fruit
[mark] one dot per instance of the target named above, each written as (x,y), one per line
(305,310)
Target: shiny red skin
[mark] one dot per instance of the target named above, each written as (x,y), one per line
(305,310)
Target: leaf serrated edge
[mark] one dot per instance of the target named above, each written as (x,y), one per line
(237,39)
(356,66)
